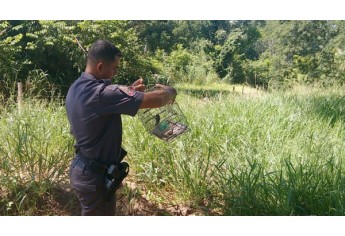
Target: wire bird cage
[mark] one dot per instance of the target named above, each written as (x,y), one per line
(166,122)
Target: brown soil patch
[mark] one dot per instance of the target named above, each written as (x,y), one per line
(130,202)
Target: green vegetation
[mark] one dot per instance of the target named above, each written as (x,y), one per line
(270,54)
(35,151)
(264,101)
(277,154)
(254,154)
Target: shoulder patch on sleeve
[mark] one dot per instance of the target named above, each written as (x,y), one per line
(129,90)
(112,87)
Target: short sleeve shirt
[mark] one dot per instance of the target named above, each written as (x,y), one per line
(94,108)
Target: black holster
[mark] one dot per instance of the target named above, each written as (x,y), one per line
(114,177)
(113,174)
(123,153)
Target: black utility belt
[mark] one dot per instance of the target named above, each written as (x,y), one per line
(91,164)
(114,174)
(110,170)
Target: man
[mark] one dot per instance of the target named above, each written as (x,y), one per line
(94,108)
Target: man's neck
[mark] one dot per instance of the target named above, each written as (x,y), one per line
(89,71)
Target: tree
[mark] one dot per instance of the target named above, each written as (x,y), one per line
(236,50)
(50,46)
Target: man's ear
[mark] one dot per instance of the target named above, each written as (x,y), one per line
(99,67)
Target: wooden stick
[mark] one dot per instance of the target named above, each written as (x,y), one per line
(76,39)
(20,96)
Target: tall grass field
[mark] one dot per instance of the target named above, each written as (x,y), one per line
(247,153)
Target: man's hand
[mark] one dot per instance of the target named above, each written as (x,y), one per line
(170,90)
(138,85)
(159,97)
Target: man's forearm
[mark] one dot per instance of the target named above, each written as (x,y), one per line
(159,98)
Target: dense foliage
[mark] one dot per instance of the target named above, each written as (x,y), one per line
(267,53)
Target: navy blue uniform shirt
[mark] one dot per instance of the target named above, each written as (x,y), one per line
(94,109)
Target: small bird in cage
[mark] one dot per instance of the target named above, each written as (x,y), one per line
(169,121)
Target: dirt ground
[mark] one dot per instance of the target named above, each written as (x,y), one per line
(62,202)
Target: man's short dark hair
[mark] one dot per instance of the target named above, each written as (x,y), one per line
(103,50)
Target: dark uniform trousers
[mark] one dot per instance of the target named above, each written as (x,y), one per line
(90,189)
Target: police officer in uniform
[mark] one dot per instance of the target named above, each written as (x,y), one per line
(94,108)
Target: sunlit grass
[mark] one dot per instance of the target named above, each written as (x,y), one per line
(277,154)
(35,150)
(251,153)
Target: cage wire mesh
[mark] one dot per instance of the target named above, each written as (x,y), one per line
(166,122)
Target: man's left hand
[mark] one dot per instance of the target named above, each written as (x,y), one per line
(138,85)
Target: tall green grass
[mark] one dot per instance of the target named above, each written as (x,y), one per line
(275,154)
(253,154)
(35,151)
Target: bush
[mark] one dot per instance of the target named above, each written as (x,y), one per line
(188,66)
